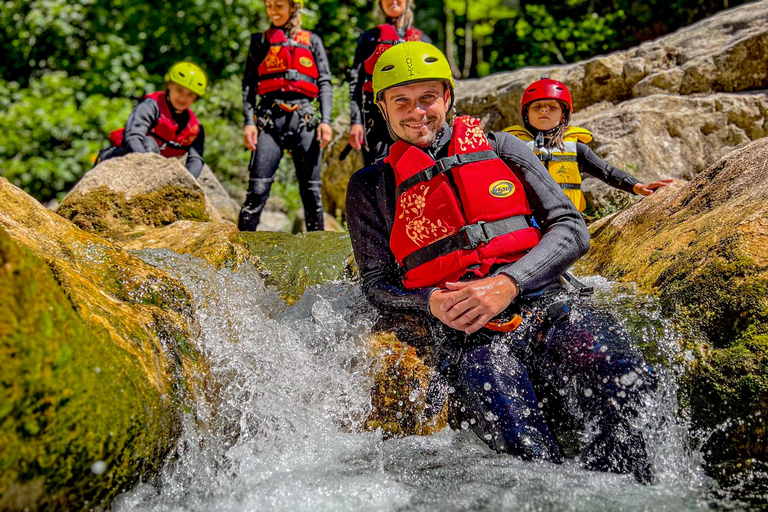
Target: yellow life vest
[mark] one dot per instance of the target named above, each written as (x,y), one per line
(561,164)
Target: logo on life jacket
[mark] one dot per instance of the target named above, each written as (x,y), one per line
(502,188)
(273,62)
(306,62)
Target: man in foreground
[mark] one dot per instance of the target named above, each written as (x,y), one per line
(442,229)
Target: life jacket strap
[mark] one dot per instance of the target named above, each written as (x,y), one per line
(546,156)
(169,143)
(570,186)
(291,42)
(290,74)
(443,165)
(468,237)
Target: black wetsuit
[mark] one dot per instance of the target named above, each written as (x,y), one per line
(280,130)
(557,371)
(136,138)
(362,108)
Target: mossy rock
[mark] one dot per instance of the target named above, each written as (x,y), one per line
(135,192)
(400,389)
(70,398)
(701,248)
(293,263)
(218,243)
(99,357)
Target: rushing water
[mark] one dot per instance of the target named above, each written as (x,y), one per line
(289,388)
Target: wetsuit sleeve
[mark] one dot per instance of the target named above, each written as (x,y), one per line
(379,271)
(565,236)
(256,54)
(143,118)
(325,95)
(595,166)
(195,158)
(366,45)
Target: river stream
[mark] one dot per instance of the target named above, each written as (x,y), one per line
(289,389)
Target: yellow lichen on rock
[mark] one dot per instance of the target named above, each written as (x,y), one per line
(400,389)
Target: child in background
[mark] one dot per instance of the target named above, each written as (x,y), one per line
(287,67)
(163,122)
(546,109)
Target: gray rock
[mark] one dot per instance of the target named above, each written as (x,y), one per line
(666,136)
(218,196)
(722,53)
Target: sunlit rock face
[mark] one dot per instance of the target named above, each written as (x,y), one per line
(703,249)
(98,361)
(667,108)
(136,192)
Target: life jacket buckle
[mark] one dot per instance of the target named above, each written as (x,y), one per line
(292,74)
(475,234)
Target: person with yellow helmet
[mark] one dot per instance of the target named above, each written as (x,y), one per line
(546,109)
(368,130)
(442,229)
(163,122)
(287,68)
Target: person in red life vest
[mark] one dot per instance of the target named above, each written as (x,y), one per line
(287,68)
(163,122)
(442,229)
(546,109)
(368,131)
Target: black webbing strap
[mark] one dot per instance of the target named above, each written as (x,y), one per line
(443,165)
(291,74)
(570,186)
(580,287)
(468,237)
(293,43)
(170,143)
(556,157)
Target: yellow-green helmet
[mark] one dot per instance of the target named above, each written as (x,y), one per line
(409,62)
(189,75)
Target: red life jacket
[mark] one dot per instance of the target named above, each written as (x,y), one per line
(388,37)
(463,213)
(289,65)
(164,132)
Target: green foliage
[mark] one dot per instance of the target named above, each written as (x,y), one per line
(51,131)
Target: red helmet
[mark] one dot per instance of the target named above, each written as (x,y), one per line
(546,89)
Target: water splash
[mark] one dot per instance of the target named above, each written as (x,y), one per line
(290,389)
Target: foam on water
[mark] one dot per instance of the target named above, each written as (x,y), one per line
(289,389)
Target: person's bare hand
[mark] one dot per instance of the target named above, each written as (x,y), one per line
(324,134)
(468,305)
(356,136)
(250,136)
(646,189)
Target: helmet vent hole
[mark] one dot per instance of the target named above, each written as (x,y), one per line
(182,75)
(389,67)
(430,60)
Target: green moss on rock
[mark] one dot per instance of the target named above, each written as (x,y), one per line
(293,263)
(69,397)
(106,212)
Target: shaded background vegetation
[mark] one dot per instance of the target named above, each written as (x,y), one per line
(73,69)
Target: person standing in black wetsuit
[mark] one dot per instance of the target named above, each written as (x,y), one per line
(287,67)
(163,122)
(442,228)
(368,131)
(546,109)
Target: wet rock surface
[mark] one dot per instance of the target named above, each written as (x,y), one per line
(97,356)
(703,249)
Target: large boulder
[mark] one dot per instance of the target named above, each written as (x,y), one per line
(98,360)
(722,53)
(136,192)
(228,208)
(668,136)
(336,173)
(703,249)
